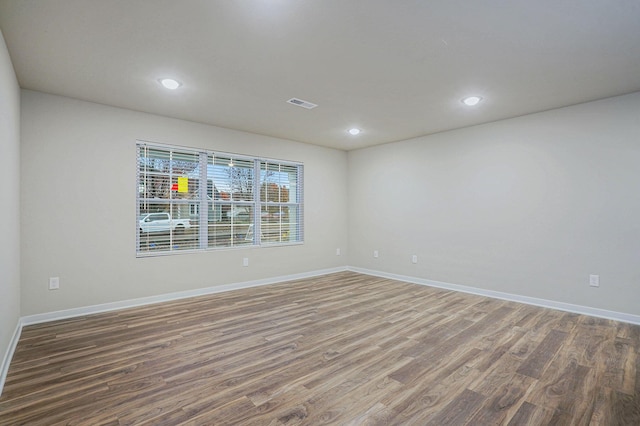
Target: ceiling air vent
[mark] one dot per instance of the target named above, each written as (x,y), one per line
(301,103)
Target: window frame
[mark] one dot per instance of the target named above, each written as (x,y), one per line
(206,196)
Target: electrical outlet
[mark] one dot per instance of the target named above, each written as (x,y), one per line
(54,283)
(337,252)
(245,261)
(594,280)
(375,253)
(414,259)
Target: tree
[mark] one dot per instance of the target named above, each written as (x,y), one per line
(241,182)
(272,192)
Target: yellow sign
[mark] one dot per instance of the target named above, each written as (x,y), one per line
(183,184)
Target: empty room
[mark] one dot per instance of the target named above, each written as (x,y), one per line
(304,212)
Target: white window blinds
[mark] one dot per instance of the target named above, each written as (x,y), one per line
(197,200)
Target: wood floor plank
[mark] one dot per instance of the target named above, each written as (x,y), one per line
(529,414)
(459,410)
(424,397)
(541,356)
(503,401)
(343,348)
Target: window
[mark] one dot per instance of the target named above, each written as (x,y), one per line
(197,200)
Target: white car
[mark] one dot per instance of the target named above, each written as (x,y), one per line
(162,222)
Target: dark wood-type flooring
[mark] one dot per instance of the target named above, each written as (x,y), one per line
(341,349)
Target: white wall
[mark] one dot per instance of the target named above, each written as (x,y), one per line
(10,205)
(78,207)
(529,206)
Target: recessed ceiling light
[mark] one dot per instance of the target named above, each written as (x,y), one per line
(170,83)
(471,100)
(354,131)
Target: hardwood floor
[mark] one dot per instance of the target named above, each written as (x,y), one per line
(344,349)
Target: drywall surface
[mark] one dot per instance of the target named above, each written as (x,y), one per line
(79,210)
(10,210)
(530,206)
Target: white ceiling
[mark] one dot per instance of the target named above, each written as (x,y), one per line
(395,69)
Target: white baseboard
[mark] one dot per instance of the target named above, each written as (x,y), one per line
(88,310)
(124,304)
(94,309)
(568,307)
(8,356)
